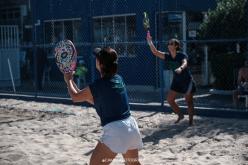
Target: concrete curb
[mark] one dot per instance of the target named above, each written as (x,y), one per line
(154,107)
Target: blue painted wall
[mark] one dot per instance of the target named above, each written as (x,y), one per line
(137,71)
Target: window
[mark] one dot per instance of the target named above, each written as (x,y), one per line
(194,20)
(117,32)
(170,24)
(56,30)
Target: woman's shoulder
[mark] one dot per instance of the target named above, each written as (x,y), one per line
(110,79)
(119,78)
(182,54)
(116,76)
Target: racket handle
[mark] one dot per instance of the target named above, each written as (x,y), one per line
(148,34)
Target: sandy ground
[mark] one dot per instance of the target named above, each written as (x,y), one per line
(33,133)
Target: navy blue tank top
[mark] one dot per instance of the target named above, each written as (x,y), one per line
(110,99)
(174,63)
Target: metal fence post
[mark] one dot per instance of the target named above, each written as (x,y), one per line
(206,65)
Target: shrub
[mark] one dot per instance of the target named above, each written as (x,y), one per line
(225,69)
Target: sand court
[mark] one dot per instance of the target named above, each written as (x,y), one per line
(34,133)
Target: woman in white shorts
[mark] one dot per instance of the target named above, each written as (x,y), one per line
(109,96)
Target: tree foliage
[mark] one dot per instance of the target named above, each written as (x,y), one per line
(228,20)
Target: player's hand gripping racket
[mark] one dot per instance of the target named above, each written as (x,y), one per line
(66,56)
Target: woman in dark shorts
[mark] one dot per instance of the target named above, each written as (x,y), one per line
(182,79)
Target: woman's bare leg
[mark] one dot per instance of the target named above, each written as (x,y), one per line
(102,155)
(131,157)
(171,100)
(189,100)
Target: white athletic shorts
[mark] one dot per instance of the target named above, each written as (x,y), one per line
(122,135)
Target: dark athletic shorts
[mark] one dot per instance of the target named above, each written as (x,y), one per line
(183,87)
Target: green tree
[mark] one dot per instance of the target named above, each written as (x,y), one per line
(229,20)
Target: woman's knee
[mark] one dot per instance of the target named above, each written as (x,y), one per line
(170,99)
(102,155)
(131,157)
(189,98)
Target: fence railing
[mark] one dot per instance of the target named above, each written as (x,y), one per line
(214,63)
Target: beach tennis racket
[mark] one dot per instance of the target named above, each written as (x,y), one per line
(146,22)
(65,56)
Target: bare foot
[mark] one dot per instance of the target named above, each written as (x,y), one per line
(180,117)
(191,123)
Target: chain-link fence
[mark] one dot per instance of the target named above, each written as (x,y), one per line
(216,51)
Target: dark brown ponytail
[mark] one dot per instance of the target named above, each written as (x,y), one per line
(107,58)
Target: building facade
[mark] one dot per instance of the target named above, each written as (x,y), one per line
(115,23)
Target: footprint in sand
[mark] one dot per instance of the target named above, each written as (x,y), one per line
(219,153)
(245,157)
(15,157)
(201,153)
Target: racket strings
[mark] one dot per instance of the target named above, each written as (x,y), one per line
(66,56)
